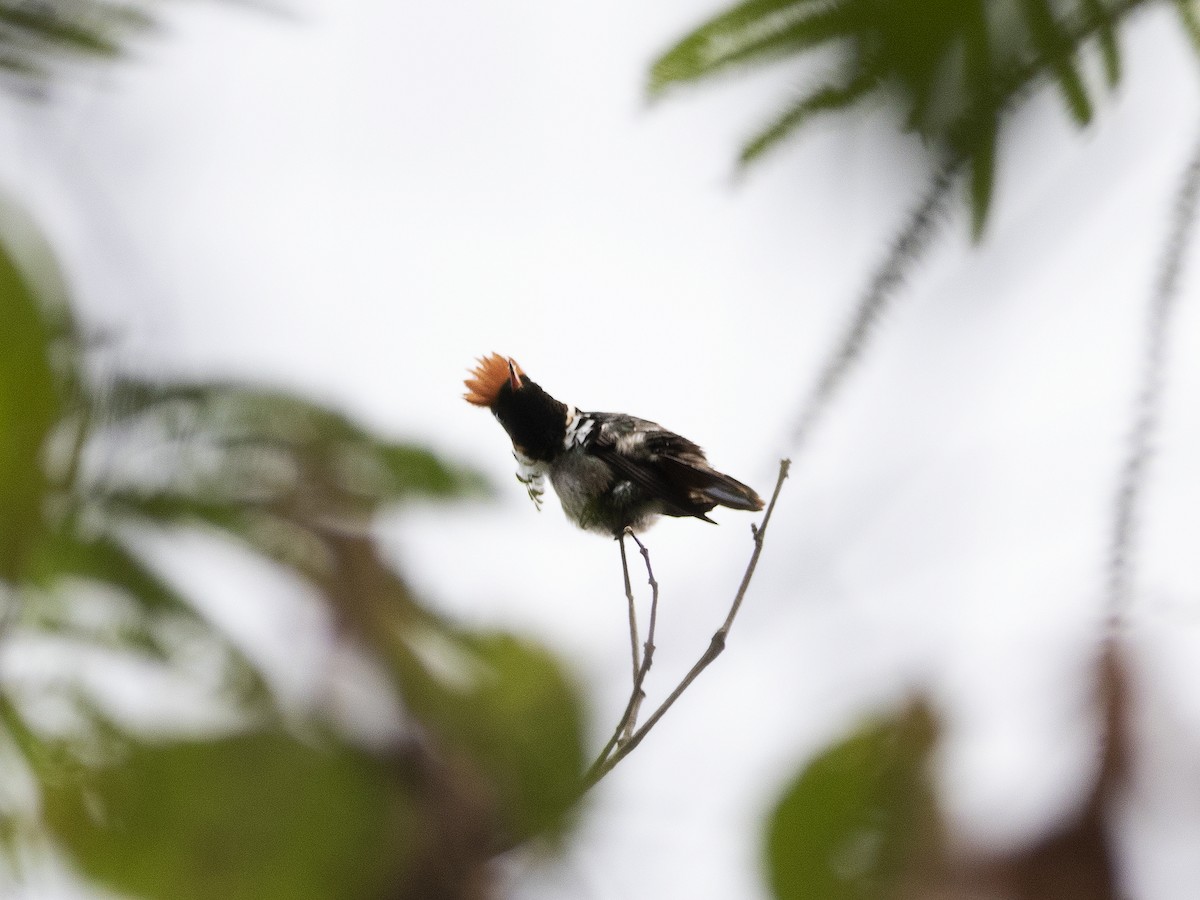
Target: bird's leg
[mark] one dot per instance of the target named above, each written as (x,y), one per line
(633,629)
(640,667)
(649,648)
(625,731)
(620,745)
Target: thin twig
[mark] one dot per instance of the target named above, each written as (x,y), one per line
(1131,483)
(631,707)
(904,253)
(609,757)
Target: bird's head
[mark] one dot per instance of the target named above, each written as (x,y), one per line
(494,375)
(536,422)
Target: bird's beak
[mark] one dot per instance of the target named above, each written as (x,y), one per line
(514,377)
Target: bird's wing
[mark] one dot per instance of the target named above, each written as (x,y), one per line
(668,467)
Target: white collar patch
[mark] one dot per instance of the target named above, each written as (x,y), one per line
(579,427)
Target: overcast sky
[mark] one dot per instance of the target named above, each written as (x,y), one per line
(358,199)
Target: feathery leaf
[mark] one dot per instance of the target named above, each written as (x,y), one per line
(1056,49)
(983,175)
(29,406)
(1190,20)
(1106,34)
(826,99)
(955,68)
(755,31)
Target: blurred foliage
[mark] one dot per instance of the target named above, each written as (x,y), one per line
(518,720)
(952,68)
(271,803)
(37,36)
(29,405)
(281,803)
(252,817)
(848,826)
(860,821)
(41,39)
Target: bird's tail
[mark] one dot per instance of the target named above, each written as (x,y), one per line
(730,492)
(708,487)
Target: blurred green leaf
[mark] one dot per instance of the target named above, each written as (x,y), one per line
(29,407)
(769,40)
(1190,20)
(52,25)
(260,529)
(1055,47)
(980,77)
(983,176)
(510,707)
(102,559)
(1107,35)
(750,31)
(416,471)
(273,470)
(826,99)
(252,817)
(105,561)
(845,827)
(954,68)
(260,815)
(276,441)
(36,38)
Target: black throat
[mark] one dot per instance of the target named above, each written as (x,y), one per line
(536,422)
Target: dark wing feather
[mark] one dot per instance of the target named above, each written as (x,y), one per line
(717,488)
(671,469)
(658,478)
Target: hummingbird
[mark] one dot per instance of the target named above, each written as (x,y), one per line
(612,472)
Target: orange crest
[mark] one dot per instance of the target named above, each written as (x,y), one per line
(490,375)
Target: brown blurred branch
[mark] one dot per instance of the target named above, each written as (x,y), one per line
(1074,859)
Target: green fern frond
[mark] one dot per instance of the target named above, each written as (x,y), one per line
(955,68)
(1190,19)
(980,148)
(1106,34)
(752,33)
(1056,49)
(826,99)
(983,178)
(49,28)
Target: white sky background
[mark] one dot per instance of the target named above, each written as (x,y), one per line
(359,200)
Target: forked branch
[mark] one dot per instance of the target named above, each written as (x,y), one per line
(620,745)
(628,722)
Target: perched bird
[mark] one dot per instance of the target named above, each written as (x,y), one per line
(610,471)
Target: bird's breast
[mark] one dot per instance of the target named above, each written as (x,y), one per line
(581,482)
